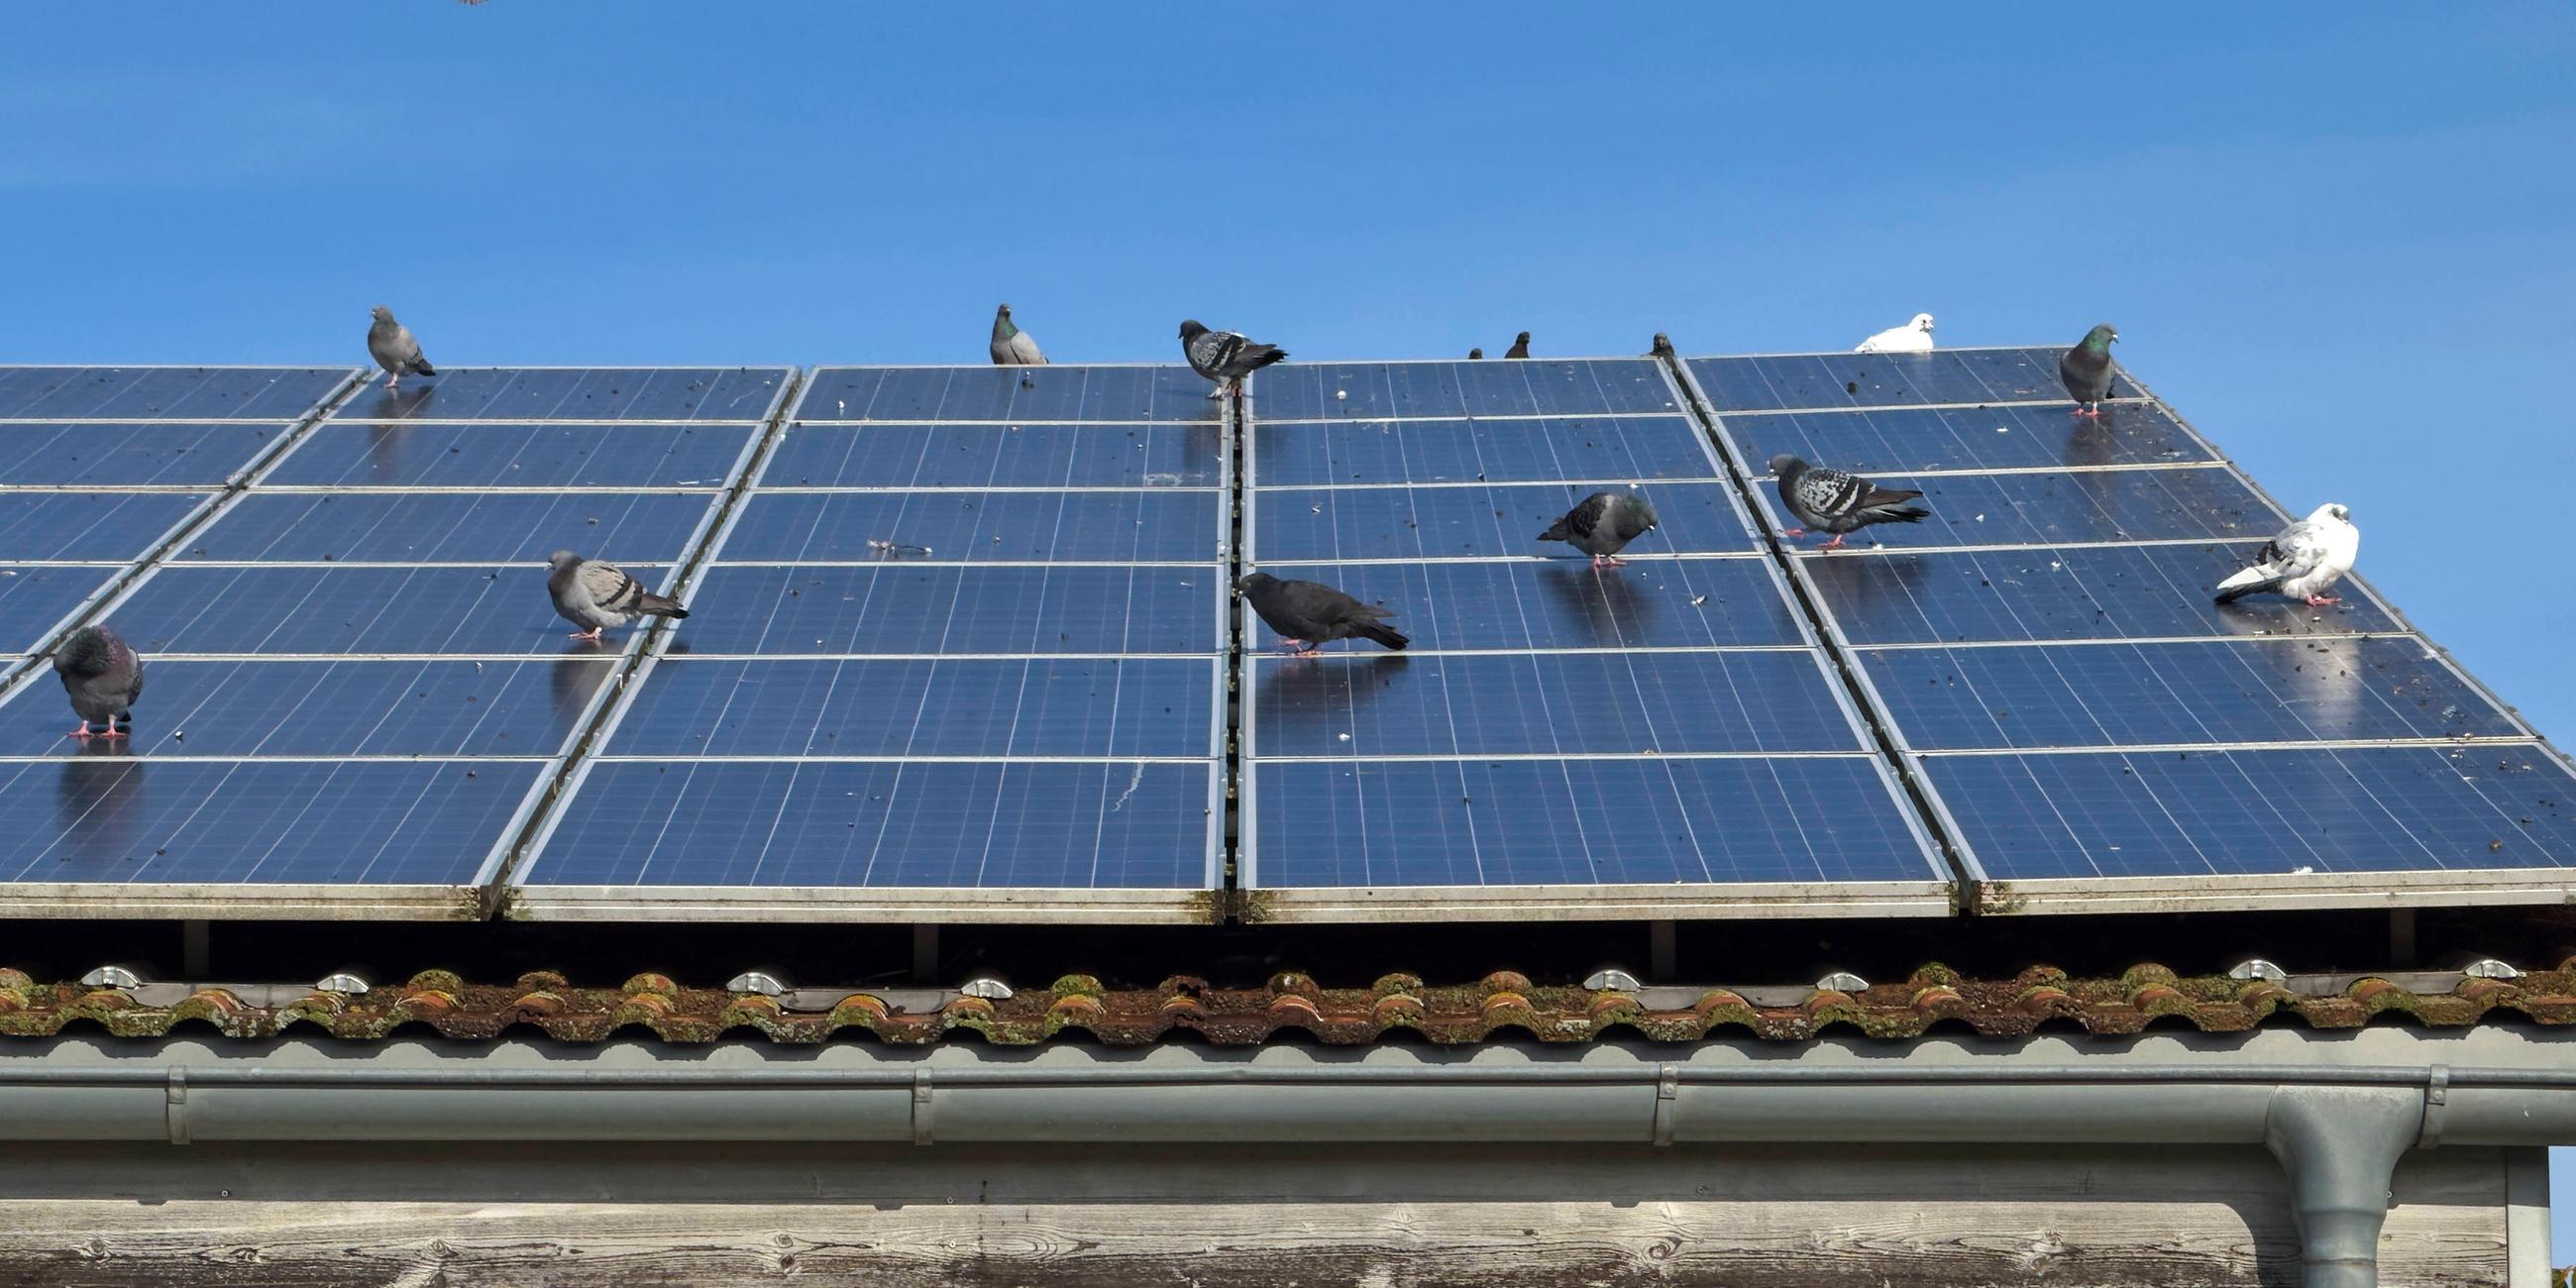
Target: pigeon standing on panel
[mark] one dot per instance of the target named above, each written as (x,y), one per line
(1836,502)
(394,349)
(1602,525)
(1663,347)
(1225,357)
(2086,369)
(597,595)
(2303,562)
(1913,337)
(1310,614)
(1013,347)
(103,676)
(1520,346)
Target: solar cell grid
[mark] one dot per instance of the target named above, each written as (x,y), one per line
(576,394)
(1632,448)
(1996,437)
(110,454)
(1836,381)
(2030,509)
(412,454)
(165,393)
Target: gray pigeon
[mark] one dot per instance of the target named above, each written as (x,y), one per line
(2086,369)
(1663,346)
(1013,347)
(1309,614)
(1520,347)
(1603,524)
(394,349)
(2303,562)
(597,595)
(1839,503)
(1225,357)
(103,676)
(1475,355)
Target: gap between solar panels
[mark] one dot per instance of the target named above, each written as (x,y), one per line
(2088,731)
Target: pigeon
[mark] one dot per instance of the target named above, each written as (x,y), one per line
(394,349)
(2306,559)
(1663,347)
(103,676)
(1475,355)
(1913,337)
(1309,614)
(1225,357)
(1013,347)
(1839,503)
(2086,369)
(1520,346)
(1602,525)
(597,595)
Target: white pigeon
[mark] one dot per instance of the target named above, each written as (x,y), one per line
(2303,562)
(1913,337)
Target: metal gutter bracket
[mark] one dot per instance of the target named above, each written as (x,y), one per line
(2340,1146)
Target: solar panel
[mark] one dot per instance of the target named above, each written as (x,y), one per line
(129,454)
(165,393)
(955,656)
(1663,739)
(358,691)
(2090,730)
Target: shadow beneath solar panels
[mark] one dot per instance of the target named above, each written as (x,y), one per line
(94,805)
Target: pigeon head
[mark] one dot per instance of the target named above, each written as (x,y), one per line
(1663,341)
(90,651)
(1191,330)
(2101,338)
(1522,338)
(1784,465)
(1253,581)
(1004,311)
(2332,510)
(381,313)
(1475,355)
(562,559)
(1922,322)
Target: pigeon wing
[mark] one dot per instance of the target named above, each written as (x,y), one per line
(608,586)
(1024,351)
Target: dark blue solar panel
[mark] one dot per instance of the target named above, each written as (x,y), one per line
(411,454)
(1355,390)
(1836,380)
(2109,592)
(2011,436)
(1479,522)
(954,707)
(2290,690)
(1137,526)
(180,609)
(2037,509)
(1388,704)
(46,526)
(163,393)
(32,600)
(111,819)
(173,454)
(1139,455)
(330,709)
(447,527)
(1008,394)
(1661,602)
(884,825)
(1579,822)
(1499,451)
(575,393)
(923,608)
(2272,813)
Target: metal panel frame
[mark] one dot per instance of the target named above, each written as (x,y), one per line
(1936,895)
(2457,887)
(527,898)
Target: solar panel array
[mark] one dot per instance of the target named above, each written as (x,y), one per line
(963,647)
(1663,739)
(958,656)
(2091,730)
(357,690)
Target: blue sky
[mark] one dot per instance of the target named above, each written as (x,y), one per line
(2338,239)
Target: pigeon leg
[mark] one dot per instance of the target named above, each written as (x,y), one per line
(1793,532)
(390,381)
(1299,645)
(83,734)
(1835,544)
(2321,601)
(1608,561)
(112,733)
(592,634)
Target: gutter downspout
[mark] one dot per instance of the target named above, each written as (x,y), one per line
(2340,1147)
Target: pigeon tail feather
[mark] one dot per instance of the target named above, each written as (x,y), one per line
(1372,631)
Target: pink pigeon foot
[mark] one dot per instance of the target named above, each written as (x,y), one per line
(112,733)
(2320,601)
(1793,532)
(82,733)
(1608,561)
(1299,645)
(592,634)
(1835,544)
(389,381)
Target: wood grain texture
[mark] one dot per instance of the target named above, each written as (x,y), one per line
(1765,1220)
